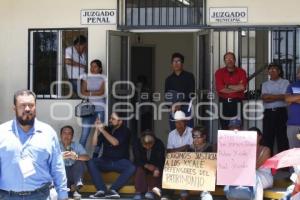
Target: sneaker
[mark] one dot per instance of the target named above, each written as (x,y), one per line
(157,191)
(138,196)
(112,194)
(206,196)
(98,194)
(149,195)
(79,186)
(76,196)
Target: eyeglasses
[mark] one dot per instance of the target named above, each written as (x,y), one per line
(23,106)
(197,136)
(177,61)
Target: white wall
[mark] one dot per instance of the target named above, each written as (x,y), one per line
(265,12)
(17,16)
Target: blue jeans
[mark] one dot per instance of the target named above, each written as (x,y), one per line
(43,194)
(123,166)
(74,85)
(239,192)
(288,193)
(87,124)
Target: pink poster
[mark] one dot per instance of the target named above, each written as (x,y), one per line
(236,158)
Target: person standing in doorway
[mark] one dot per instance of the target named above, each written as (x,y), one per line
(275,114)
(231,82)
(293,123)
(30,155)
(76,61)
(179,89)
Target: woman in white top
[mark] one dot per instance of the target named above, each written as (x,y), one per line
(93,87)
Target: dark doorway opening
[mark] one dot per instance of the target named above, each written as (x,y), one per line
(142,70)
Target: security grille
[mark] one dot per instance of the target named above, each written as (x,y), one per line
(149,14)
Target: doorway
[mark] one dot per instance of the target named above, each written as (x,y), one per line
(142,70)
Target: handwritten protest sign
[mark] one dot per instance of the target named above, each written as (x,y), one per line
(190,171)
(236,157)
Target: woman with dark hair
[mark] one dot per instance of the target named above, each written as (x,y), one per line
(264,178)
(149,156)
(93,88)
(200,143)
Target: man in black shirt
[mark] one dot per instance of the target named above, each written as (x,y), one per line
(115,156)
(179,89)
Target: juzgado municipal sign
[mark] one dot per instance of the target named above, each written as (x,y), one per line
(228,15)
(98,16)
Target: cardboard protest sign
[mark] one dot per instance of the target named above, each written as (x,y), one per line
(236,157)
(190,171)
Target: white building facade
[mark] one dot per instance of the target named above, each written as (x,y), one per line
(135,38)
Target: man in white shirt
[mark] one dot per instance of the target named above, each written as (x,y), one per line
(180,139)
(76,62)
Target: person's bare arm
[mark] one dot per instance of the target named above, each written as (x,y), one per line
(86,92)
(266,154)
(273,97)
(95,137)
(292,98)
(69,61)
(100,91)
(111,139)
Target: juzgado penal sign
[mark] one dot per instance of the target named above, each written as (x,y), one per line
(224,15)
(98,16)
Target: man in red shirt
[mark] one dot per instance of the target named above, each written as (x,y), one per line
(231,82)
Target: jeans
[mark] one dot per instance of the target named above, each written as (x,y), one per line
(43,194)
(87,124)
(123,166)
(288,193)
(239,192)
(75,173)
(74,85)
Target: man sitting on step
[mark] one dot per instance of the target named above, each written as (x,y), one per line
(115,156)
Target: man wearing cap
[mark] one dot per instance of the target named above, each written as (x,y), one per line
(231,82)
(275,114)
(180,139)
(293,123)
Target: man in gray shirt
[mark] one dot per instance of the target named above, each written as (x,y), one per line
(275,114)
